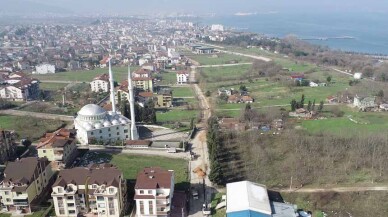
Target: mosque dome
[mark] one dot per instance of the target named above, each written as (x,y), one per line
(91,110)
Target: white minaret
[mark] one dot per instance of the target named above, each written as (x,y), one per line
(112,89)
(134,134)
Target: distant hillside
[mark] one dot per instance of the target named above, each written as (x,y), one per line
(29,8)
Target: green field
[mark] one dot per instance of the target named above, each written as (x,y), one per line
(131,165)
(184,91)
(119,74)
(217,59)
(176,115)
(363,122)
(219,74)
(29,127)
(52,86)
(167,78)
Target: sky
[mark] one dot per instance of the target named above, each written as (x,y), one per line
(219,7)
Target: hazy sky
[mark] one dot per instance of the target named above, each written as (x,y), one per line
(215,6)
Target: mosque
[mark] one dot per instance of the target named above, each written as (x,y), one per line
(95,124)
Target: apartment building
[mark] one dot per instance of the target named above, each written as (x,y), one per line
(182,77)
(19,87)
(24,181)
(7,145)
(97,189)
(100,83)
(154,191)
(164,98)
(58,147)
(143,80)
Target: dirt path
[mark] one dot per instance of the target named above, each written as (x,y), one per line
(335,189)
(37,115)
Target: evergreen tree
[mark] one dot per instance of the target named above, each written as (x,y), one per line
(293,105)
(309,106)
(313,106)
(216,176)
(302,101)
(320,108)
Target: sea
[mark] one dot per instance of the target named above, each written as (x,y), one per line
(368,31)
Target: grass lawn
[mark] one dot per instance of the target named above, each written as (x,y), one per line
(176,115)
(216,198)
(52,86)
(219,74)
(168,78)
(184,91)
(131,165)
(119,74)
(5,215)
(220,58)
(366,122)
(29,127)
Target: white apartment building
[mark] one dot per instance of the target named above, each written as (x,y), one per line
(24,181)
(44,69)
(100,83)
(19,87)
(154,191)
(182,77)
(97,189)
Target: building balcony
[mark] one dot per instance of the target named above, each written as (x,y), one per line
(20,203)
(58,157)
(162,196)
(162,204)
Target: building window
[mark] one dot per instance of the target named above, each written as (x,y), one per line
(151,207)
(100,198)
(44,151)
(100,131)
(149,191)
(8,199)
(91,133)
(70,205)
(141,207)
(118,133)
(108,129)
(70,197)
(61,211)
(71,211)
(125,131)
(6,192)
(111,191)
(141,192)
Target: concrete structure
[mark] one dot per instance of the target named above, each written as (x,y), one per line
(19,87)
(364,103)
(97,189)
(142,80)
(100,83)
(164,98)
(25,180)
(58,147)
(44,69)
(248,199)
(182,77)
(154,191)
(7,146)
(134,133)
(357,75)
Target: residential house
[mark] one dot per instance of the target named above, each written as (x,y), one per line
(313,84)
(7,146)
(143,80)
(100,83)
(384,107)
(247,199)
(331,99)
(154,192)
(233,98)
(24,182)
(247,99)
(144,97)
(59,147)
(99,190)
(182,77)
(364,103)
(163,99)
(44,69)
(19,87)
(232,124)
(225,91)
